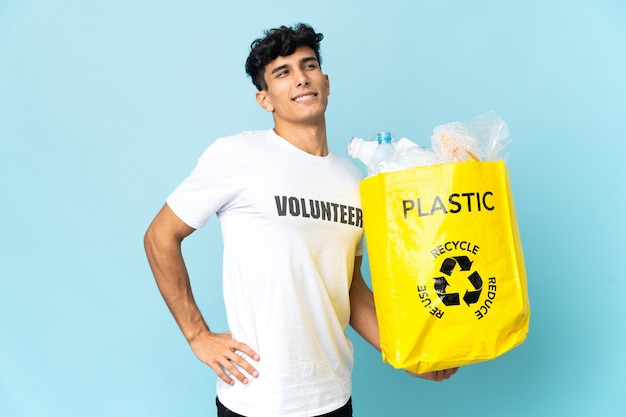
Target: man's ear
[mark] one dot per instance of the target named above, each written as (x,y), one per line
(327,84)
(263,100)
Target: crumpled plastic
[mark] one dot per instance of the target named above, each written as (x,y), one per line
(484,138)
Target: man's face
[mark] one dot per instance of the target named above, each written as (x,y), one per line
(297,91)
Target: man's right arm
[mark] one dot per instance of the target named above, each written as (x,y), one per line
(162,243)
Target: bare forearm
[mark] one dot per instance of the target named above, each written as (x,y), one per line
(362,311)
(163,250)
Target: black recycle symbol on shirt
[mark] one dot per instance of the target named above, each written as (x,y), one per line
(462,264)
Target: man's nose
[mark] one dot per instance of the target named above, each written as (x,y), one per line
(302,80)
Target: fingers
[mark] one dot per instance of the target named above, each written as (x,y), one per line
(437,376)
(229,371)
(238,366)
(444,374)
(447,373)
(243,351)
(227,358)
(242,347)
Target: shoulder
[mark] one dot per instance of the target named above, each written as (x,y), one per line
(345,165)
(237,142)
(246,137)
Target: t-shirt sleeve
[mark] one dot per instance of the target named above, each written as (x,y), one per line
(209,187)
(360,249)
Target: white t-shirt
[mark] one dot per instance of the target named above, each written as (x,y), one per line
(291,225)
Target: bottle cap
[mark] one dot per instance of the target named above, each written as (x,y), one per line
(384,137)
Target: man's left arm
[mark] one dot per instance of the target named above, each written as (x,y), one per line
(362,310)
(363,319)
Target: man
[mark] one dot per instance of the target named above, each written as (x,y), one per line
(291,222)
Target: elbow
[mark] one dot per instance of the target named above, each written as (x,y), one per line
(149,238)
(149,243)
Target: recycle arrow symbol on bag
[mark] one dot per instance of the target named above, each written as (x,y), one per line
(453,299)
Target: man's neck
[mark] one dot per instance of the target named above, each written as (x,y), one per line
(308,138)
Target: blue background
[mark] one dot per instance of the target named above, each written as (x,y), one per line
(105,107)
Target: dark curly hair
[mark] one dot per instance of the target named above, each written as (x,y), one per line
(282,41)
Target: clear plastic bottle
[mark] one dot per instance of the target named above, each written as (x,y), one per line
(362,149)
(384,152)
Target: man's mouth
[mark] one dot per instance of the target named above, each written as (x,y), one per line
(304,97)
